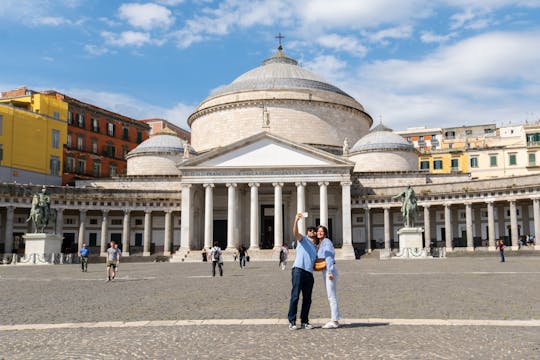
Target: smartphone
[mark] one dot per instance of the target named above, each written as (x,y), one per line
(305,214)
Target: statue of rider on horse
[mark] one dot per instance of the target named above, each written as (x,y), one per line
(41,212)
(408,206)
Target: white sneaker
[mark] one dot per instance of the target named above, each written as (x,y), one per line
(330,325)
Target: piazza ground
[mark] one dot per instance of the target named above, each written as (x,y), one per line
(441,308)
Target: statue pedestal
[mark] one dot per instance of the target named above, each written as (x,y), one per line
(410,244)
(41,248)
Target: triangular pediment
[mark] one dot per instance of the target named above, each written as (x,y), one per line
(266,150)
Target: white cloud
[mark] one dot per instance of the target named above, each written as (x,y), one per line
(328,67)
(400,32)
(51,20)
(127,38)
(95,50)
(348,44)
(146,16)
(429,37)
(170,2)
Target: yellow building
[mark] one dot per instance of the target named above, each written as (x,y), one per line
(444,161)
(33,131)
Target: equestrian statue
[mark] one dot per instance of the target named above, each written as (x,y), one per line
(41,212)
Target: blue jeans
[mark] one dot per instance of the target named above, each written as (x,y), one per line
(331,293)
(242,261)
(502,255)
(302,281)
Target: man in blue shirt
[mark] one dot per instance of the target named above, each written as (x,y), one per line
(302,275)
(83,253)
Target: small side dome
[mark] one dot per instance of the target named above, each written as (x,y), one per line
(157,155)
(382,150)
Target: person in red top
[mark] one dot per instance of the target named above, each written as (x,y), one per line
(500,245)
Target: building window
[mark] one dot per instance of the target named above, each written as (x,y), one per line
(92,239)
(55,139)
(93,221)
(69,143)
(80,120)
(116,221)
(110,129)
(81,166)
(55,165)
(424,165)
(1,152)
(139,137)
(512,159)
(112,170)
(421,138)
(80,142)
(455,164)
(450,134)
(138,239)
(125,150)
(56,115)
(70,164)
(468,132)
(493,160)
(70,117)
(532,159)
(138,222)
(474,162)
(450,146)
(1,124)
(125,133)
(95,125)
(94,146)
(111,150)
(96,169)
(437,165)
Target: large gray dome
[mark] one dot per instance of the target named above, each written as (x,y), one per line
(162,142)
(381,138)
(278,72)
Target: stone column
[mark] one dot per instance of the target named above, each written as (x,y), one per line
(168,233)
(59,226)
(469,227)
(323,202)
(82,228)
(301,205)
(208,215)
(491,227)
(231,212)
(386,227)
(185,218)
(126,233)
(8,238)
(536,212)
(147,232)
(347,248)
(427,227)
(104,230)
(254,230)
(278,215)
(367,229)
(448,227)
(513,224)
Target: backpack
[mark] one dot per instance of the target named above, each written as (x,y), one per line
(216,254)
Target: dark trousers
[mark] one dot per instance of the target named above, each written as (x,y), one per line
(302,281)
(84,263)
(242,261)
(220,265)
(502,255)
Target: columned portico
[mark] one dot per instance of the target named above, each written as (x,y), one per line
(323,202)
(231,214)
(82,228)
(254,216)
(126,236)
(59,226)
(147,232)
(104,231)
(8,238)
(367,228)
(347,248)
(469,227)
(448,227)
(301,204)
(185,232)
(513,225)
(278,215)
(427,227)
(491,226)
(167,244)
(208,215)
(386,227)
(536,212)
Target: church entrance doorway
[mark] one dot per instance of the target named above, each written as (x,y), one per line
(267,226)
(220,233)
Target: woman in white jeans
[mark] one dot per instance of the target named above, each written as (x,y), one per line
(330,275)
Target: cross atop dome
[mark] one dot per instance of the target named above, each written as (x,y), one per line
(279,37)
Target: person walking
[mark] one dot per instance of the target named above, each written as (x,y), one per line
(217,260)
(302,275)
(500,245)
(283,255)
(243,254)
(83,255)
(112,260)
(330,275)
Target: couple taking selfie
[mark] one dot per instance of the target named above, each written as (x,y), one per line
(314,252)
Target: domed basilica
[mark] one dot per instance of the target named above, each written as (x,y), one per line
(276,141)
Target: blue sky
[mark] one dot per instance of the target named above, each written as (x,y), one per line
(411,63)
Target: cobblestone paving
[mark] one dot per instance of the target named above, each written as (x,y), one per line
(454,288)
